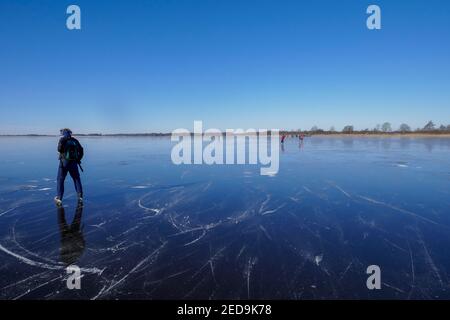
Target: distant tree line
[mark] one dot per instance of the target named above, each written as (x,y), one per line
(384,128)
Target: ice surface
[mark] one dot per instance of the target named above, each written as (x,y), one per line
(150,229)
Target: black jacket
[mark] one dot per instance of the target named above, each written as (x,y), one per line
(62,147)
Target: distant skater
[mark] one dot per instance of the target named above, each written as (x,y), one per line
(301,137)
(70,155)
(283,137)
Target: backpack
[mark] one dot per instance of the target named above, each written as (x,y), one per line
(71,151)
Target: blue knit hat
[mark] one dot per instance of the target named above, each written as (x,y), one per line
(66,132)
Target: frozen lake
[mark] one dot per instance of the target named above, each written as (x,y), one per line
(153,230)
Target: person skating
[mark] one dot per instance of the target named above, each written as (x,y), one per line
(70,154)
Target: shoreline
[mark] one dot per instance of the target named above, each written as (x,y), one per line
(288,134)
(383,135)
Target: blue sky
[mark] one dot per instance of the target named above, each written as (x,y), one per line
(158,65)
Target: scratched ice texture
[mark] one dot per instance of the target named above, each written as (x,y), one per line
(152,230)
